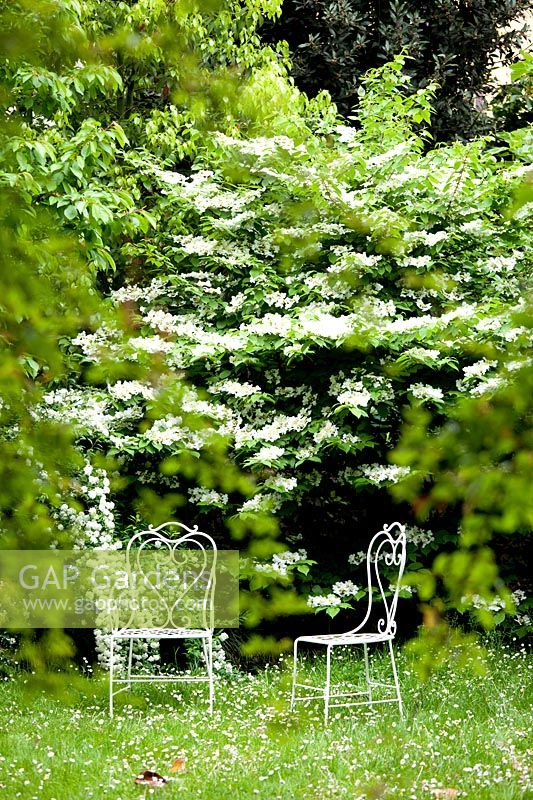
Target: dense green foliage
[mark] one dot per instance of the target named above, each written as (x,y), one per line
(332,44)
(275,282)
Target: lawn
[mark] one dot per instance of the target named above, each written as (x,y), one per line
(463,736)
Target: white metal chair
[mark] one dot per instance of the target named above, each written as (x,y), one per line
(387,549)
(157,539)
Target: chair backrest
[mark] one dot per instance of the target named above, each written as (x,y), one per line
(196,584)
(385,563)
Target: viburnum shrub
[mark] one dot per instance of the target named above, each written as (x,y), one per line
(308,289)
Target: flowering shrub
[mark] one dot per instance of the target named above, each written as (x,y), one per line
(309,290)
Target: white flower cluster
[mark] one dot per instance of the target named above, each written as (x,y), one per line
(487,386)
(170,430)
(267,502)
(267,454)
(347,258)
(345,588)
(82,409)
(125,390)
(234,388)
(476,601)
(147,293)
(272,431)
(418,537)
(431,239)
(327,432)
(161,320)
(94,526)
(145,652)
(220,661)
(339,592)
(495,603)
(281,300)
(280,562)
(196,245)
(282,483)
(383,473)
(478,369)
(149,344)
(207,497)
(355,398)
(323,601)
(326,325)
(518,597)
(191,404)
(425,392)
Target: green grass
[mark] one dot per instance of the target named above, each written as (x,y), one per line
(461,731)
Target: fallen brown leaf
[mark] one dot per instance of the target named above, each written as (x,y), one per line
(178,765)
(445,794)
(149,778)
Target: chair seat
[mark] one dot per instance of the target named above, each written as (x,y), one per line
(347,638)
(162,633)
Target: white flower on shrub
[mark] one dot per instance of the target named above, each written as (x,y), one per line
(267,502)
(418,537)
(479,602)
(145,653)
(345,589)
(357,558)
(318,600)
(196,245)
(356,398)
(327,431)
(425,392)
(273,430)
(151,344)
(94,526)
(146,293)
(280,562)
(383,473)
(488,386)
(326,325)
(431,239)
(209,497)
(476,370)
(518,597)
(125,390)
(235,388)
(282,483)
(267,454)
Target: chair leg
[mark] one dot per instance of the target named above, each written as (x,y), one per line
(130,659)
(294,673)
(396,683)
(208,656)
(367,673)
(328,682)
(111,666)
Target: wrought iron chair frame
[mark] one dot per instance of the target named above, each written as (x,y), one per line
(385,633)
(157,537)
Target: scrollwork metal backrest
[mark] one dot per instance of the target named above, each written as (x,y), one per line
(197,586)
(385,563)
